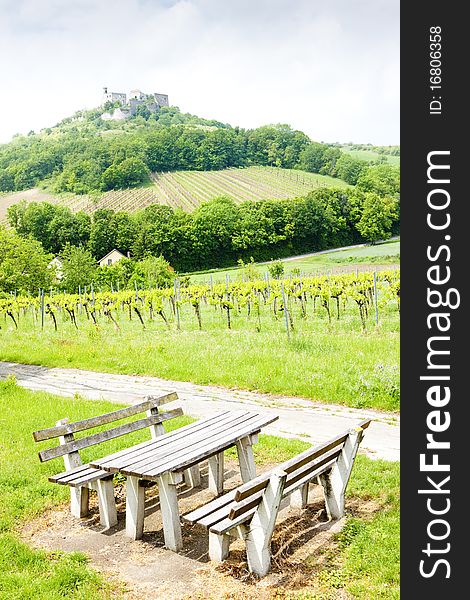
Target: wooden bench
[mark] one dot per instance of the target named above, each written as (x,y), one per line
(250,510)
(83,477)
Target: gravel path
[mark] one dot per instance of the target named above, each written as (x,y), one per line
(298,417)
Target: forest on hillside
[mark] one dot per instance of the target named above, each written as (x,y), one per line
(85,154)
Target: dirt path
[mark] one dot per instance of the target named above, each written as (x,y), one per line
(298,417)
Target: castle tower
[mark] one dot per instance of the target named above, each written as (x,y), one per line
(113,97)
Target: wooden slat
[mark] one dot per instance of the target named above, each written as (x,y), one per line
(304,470)
(109,434)
(205,449)
(240,508)
(218,443)
(117,415)
(218,515)
(201,512)
(156,456)
(70,472)
(74,474)
(161,441)
(98,474)
(79,477)
(307,478)
(228,524)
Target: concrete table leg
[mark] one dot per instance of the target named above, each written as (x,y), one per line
(135,506)
(170,514)
(216,473)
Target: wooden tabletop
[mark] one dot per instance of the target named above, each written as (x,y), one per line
(184,447)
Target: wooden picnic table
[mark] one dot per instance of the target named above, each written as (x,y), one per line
(167,457)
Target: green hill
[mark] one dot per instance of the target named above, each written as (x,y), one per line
(86,154)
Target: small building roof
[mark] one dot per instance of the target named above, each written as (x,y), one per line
(109,254)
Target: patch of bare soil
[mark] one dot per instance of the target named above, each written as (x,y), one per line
(302,546)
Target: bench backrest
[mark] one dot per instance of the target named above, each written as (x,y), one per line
(299,470)
(65,430)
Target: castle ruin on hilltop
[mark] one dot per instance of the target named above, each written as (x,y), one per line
(128,106)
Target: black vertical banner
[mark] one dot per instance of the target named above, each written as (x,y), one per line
(435,323)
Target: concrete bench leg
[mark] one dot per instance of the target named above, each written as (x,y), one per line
(334,482)
(299,498)
(216,473)
(135,506)
(219,546)
(192,477)
(170,514)
(79,498)
(246,459)
(107,503)
(258,539)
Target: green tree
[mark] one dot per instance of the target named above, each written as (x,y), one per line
(330,157)
(7,181)
(276,269)
(213,226)
(380,179)
(103,235)
(79,268)
(378,214)
(130,172)
(53,226)
(152,271)
(349,168)
(115,276)
(23,263)
(311,157)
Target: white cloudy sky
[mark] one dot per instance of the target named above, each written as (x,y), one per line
(327,67)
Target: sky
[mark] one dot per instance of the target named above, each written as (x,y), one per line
(327,67)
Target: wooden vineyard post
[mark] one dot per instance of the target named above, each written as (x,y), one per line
(286,314)
(268,289)
(93,303)
(177,309)
(42,308)
(375,299)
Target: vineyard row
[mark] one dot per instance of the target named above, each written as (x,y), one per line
(292,302)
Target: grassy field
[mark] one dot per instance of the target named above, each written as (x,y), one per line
(364,257)
(365,561)
(371,155)
(187,189)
